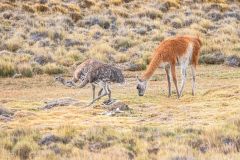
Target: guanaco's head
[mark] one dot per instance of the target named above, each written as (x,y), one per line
(141,86)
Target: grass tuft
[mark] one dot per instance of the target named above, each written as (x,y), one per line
(53,68)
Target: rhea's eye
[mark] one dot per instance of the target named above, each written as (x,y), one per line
(138,87)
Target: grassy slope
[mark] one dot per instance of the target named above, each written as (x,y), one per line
(113,31)
(202,127)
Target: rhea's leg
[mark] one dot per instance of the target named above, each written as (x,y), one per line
(109,101)
(93,90)
(104,93)
(100,92)
(167,69)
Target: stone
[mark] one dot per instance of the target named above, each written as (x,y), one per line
(233,61)
(59,102)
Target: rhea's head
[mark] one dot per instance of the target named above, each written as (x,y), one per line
(141,86)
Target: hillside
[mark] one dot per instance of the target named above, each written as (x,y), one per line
(53,36)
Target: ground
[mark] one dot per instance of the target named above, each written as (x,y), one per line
(204,126)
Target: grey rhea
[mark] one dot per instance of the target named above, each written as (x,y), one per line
(97,74)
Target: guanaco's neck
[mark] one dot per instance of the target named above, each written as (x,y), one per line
(155,62)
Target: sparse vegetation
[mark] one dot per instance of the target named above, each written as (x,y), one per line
(41,38)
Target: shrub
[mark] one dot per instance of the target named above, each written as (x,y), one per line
(52,68)
(41,8)
(27,8)
(137,65)
(103,52)
(6,69)
(147,56)
(13,44)
(37,69)
(173,3)
(75,16)
(25,69)
(123,43)
(116,2)
(59,9)
(151,13)
(4,7)
(24,148)
(121,58)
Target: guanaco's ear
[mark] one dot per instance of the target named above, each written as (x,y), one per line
(138,79)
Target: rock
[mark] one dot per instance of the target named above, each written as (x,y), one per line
(41,59)
(5,114)
(233,61)
(118,105)
(114,108)
(59,102)
(37,36)
(71,43)
(17,75)
(48,139)
(215,58)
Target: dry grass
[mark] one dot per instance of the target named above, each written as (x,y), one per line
(14,43)
(52,68)
(205,126)
(6,68)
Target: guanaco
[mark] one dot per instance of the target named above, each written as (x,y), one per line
(183,50)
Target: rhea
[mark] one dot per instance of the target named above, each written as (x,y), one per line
(183,50)
(97,74)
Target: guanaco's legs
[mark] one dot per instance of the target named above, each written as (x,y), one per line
(167,69)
